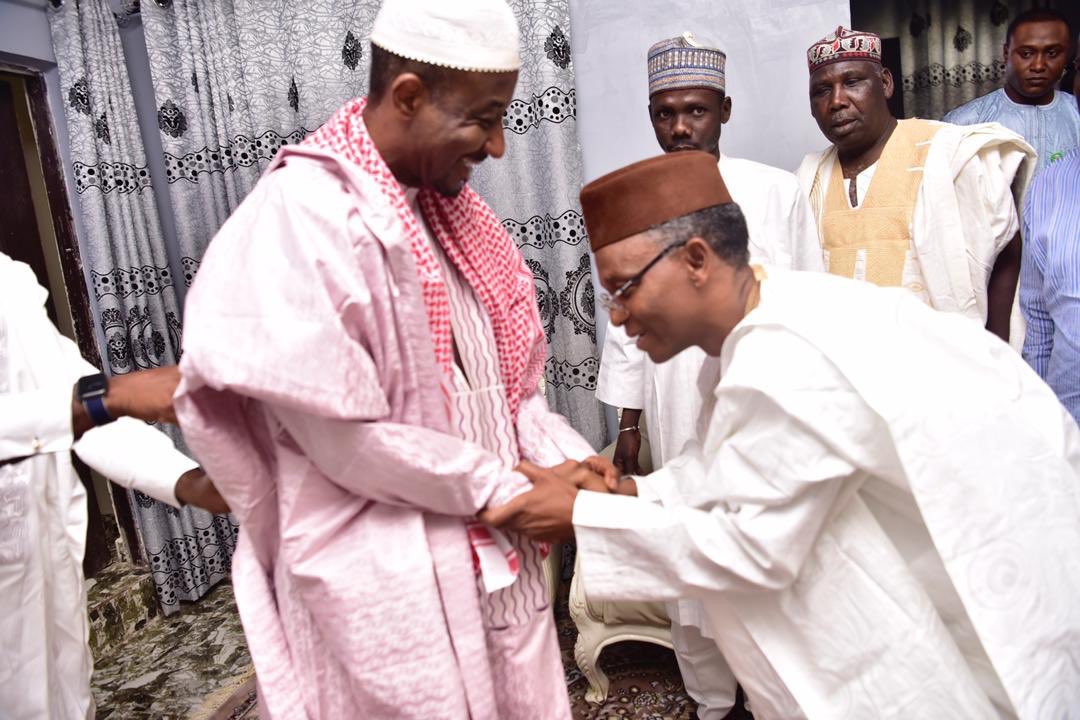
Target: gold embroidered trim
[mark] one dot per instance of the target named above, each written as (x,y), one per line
(872,241)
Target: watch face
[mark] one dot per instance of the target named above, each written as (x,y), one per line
(93,386)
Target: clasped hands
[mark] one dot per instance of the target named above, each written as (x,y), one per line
(546,511)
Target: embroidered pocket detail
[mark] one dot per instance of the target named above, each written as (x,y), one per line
(14,491)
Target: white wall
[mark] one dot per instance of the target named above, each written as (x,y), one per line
(767,77)
(24,30)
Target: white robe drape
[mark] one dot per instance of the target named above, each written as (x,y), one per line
(965,212)
(874,514)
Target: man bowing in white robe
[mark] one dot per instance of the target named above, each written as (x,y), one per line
(875,508)
(688,107)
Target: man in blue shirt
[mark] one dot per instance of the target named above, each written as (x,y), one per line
(1050,279)
(1036,53)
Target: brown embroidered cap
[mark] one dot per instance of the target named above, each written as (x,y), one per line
(643,195)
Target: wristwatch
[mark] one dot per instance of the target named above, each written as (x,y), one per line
(91,390)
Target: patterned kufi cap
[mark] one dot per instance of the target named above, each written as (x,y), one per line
(475,35)
(682,62)
(844,44)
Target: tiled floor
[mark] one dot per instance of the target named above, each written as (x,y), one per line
(174,664)
(195,665)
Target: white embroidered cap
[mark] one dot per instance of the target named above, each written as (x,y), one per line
(476,35)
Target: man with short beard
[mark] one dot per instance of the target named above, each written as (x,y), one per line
(688,106)
(924,205)
(1036,53)
(384,392)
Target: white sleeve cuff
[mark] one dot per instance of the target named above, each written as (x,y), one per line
(645,489)
(133,454)
(621,380)
(660,487)
(604,510)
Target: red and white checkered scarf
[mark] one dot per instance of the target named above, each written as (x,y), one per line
(485,255)
(477,245)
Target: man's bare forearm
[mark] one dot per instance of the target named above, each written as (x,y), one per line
(1001,290)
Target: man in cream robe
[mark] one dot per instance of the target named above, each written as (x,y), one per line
(874,509)
(45,665)
(688,106)
(927,206)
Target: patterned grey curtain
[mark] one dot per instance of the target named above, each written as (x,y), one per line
(534,190)
(134,298)
(236,79)
(950,50)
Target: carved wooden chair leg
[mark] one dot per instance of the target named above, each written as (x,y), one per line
(642,622)
(586,655)
(590,641)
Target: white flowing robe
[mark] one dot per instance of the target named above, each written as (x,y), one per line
(965,213)
(874,515)
(45,664)
(783,233)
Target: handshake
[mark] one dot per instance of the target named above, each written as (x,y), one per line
(546,512)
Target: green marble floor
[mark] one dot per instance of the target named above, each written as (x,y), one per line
(174,665)
(195,665)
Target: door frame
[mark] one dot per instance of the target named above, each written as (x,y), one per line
(78,295)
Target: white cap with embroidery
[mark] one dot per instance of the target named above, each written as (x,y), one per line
(475,35)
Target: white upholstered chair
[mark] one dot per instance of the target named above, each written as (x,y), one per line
(600,624)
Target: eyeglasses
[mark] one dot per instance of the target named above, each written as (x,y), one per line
(614,300)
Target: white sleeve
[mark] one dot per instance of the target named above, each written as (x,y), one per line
(621,382)
(738,512)
(984,192)
(802,228)
(133,454)
(645,490)
(127,451)
(633,549)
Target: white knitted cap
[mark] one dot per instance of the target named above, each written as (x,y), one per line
(476,35)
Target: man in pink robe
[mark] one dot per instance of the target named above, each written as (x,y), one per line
(360,369)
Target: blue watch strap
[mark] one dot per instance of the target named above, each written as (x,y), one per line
(95,408)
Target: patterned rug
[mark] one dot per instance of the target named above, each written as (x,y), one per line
(645,681)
